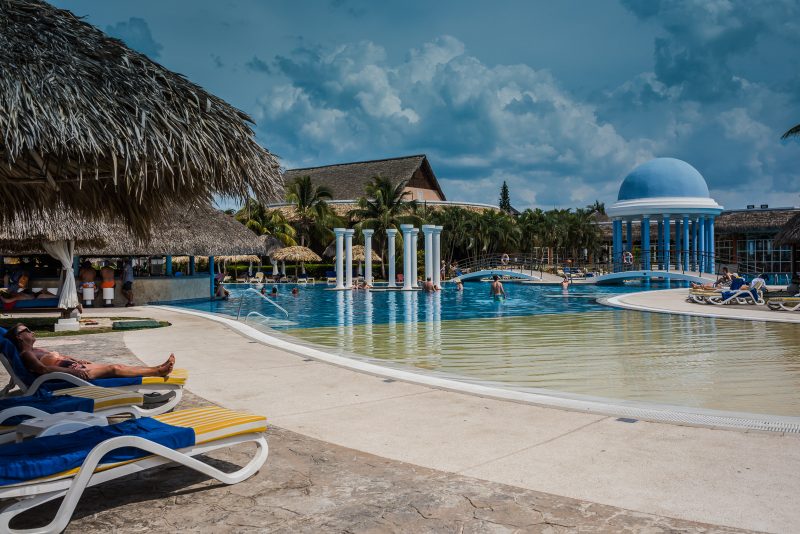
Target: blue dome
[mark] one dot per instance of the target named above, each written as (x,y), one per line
(663,177)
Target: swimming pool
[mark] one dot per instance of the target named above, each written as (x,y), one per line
(542,337)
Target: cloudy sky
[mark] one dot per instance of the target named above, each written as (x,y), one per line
(559,99)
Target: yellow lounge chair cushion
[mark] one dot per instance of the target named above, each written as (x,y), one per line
(177,377)
(104,398)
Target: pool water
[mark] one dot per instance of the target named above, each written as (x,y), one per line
(544,337)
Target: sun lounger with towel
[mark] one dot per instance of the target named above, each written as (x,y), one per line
(105,402)
(749,295)
(44,469)
(29,384)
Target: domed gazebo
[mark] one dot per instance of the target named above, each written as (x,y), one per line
(673,193)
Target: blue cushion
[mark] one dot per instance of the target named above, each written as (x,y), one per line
(12,354)
(46,402)
(736,283)
(3,331)
(33,303)
(50,455)
(55,385)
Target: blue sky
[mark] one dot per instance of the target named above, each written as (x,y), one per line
(559,99)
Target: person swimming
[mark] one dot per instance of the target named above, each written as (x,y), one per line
(496,290)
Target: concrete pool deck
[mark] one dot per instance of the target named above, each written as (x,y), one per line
(674,301)
(730,478)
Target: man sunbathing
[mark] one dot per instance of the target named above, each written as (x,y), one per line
(725,280)
(41,361)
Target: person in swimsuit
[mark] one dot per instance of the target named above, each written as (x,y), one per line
(42,361)
(18,288)
(496,290)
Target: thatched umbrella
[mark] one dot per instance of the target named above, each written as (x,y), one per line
(93,126)
(359,255)
(296,254)
(270,244)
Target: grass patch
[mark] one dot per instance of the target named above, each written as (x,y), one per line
(44,326)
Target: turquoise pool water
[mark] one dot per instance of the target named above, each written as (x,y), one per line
(544,338)
(316,306)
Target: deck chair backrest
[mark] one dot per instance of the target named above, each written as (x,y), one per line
(10,358)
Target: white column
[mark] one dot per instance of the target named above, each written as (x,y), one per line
(390,236)
(368,255)
(348,258)
(339,232)
(414,232)
(437,256)
(406,229)
(427,231)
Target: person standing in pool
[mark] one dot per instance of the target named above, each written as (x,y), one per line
(496,289)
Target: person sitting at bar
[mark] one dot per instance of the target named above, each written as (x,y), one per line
(43,361)
(18,288)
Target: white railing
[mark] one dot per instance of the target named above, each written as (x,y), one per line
(257,292)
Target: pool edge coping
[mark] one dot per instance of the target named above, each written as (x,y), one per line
(617,301)
(652,412)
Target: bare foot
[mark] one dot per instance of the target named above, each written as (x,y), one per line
(166,368)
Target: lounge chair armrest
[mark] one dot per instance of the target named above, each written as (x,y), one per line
(65,377)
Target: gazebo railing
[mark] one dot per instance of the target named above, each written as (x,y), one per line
(251,290)
(511,261)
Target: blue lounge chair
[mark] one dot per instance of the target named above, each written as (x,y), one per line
(44,469)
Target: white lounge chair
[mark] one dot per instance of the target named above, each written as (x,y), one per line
(751,295)
(65,465)
(23,382)
(783,302)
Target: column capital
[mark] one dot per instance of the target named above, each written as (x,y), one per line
(413,230)
(367,232)
(439,229)
(349,231)
(339,231)
(406,227)
(391,231)
(428,228)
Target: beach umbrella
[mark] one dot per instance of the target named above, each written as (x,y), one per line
(95,127)
(359,255)
(296,254)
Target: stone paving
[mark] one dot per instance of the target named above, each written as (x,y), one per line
(309,485)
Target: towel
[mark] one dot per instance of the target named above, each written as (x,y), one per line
(51,455)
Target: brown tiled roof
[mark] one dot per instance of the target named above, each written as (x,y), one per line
(347,181)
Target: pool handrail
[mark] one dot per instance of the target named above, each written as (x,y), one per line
(257,292)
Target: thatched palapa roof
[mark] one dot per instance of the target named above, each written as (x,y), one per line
(89,124)
(359,254)
(347,181)
(196,230)
(295,254)
(790,233)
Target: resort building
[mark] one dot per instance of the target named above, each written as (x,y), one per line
(664,218)
(347,182)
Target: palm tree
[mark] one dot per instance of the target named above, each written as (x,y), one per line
(267,222)
(313,213)
(794,131)
(383,207)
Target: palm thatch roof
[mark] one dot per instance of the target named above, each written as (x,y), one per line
(295,254)
(347,181)
(195,230)
(790,233)
(240,258)
(359,254)
(92,125)
(269,244)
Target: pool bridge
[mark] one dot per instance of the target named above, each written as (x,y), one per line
(528,267)
(521,266)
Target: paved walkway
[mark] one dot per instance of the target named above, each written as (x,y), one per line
(313,486)
(731,478)
(674,301)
